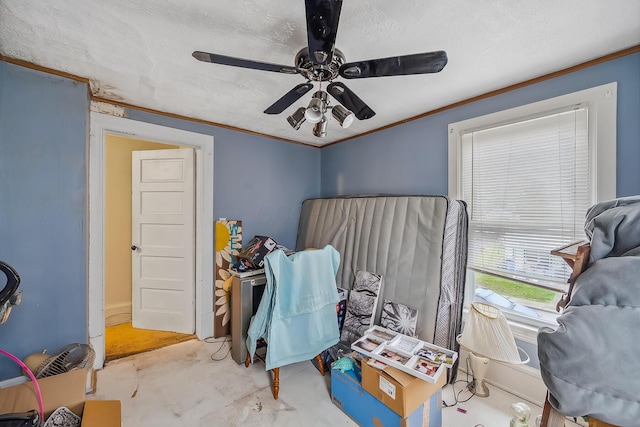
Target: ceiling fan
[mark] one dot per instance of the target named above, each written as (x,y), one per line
(320,61)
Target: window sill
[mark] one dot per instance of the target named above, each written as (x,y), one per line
(526,329)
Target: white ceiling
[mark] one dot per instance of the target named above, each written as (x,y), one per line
(139,52)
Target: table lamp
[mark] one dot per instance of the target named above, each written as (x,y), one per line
(487,336)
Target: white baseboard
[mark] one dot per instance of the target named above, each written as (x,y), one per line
(13,381)
(117,314)
(90,386)
(520,380)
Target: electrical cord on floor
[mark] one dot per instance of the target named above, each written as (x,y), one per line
(456,396)
(223,342)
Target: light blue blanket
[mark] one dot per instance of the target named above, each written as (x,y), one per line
(297,312)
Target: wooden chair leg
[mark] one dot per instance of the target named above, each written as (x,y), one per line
(320,364)
(597,423)
(276,373)
(551,417)
(276,382)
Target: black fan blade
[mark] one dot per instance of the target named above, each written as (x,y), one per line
(419,63)
(244,63)
(350,100)
(289,98)
(322,28)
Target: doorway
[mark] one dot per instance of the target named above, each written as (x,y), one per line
(103,129)
(128,330)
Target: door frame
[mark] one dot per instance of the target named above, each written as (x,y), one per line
(102,125)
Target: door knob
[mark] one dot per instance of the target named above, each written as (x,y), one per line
(134,248)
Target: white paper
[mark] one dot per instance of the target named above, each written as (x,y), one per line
(388,388)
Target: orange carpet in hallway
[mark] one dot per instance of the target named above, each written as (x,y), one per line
(124,340)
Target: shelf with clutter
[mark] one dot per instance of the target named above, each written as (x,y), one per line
(411,355)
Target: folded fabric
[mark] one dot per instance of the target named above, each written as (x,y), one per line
(613,227)
(589,361)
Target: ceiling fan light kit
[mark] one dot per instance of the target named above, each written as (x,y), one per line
(297,118)
(316,113)
(320,61)
(320,128)
(317,107)
(343,116)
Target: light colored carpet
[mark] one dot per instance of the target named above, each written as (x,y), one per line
(124,340)
(197,384)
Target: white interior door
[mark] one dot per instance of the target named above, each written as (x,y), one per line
(163,240)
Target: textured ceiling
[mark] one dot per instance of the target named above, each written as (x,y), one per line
(139,52)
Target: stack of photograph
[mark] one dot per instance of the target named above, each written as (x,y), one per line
(411,355)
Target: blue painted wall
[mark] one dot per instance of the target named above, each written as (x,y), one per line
(43,205)
(43,199)
(259,180)
(412,158)
(43,181)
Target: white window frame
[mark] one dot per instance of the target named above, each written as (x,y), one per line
(601,102)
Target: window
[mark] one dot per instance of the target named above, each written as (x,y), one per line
(528,176)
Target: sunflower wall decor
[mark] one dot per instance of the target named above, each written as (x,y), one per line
(228,244)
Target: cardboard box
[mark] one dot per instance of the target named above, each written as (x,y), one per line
(401,392)
(363,408)
(252,255)
(68,390)
(432,414)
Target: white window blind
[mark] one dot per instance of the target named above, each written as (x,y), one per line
(527,185)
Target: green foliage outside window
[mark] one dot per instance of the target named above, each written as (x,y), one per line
(510,288)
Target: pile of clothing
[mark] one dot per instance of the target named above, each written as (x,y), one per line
(590,363)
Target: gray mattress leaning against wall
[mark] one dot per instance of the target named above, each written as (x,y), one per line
(417,243)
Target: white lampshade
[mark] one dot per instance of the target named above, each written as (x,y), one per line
(487,333)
